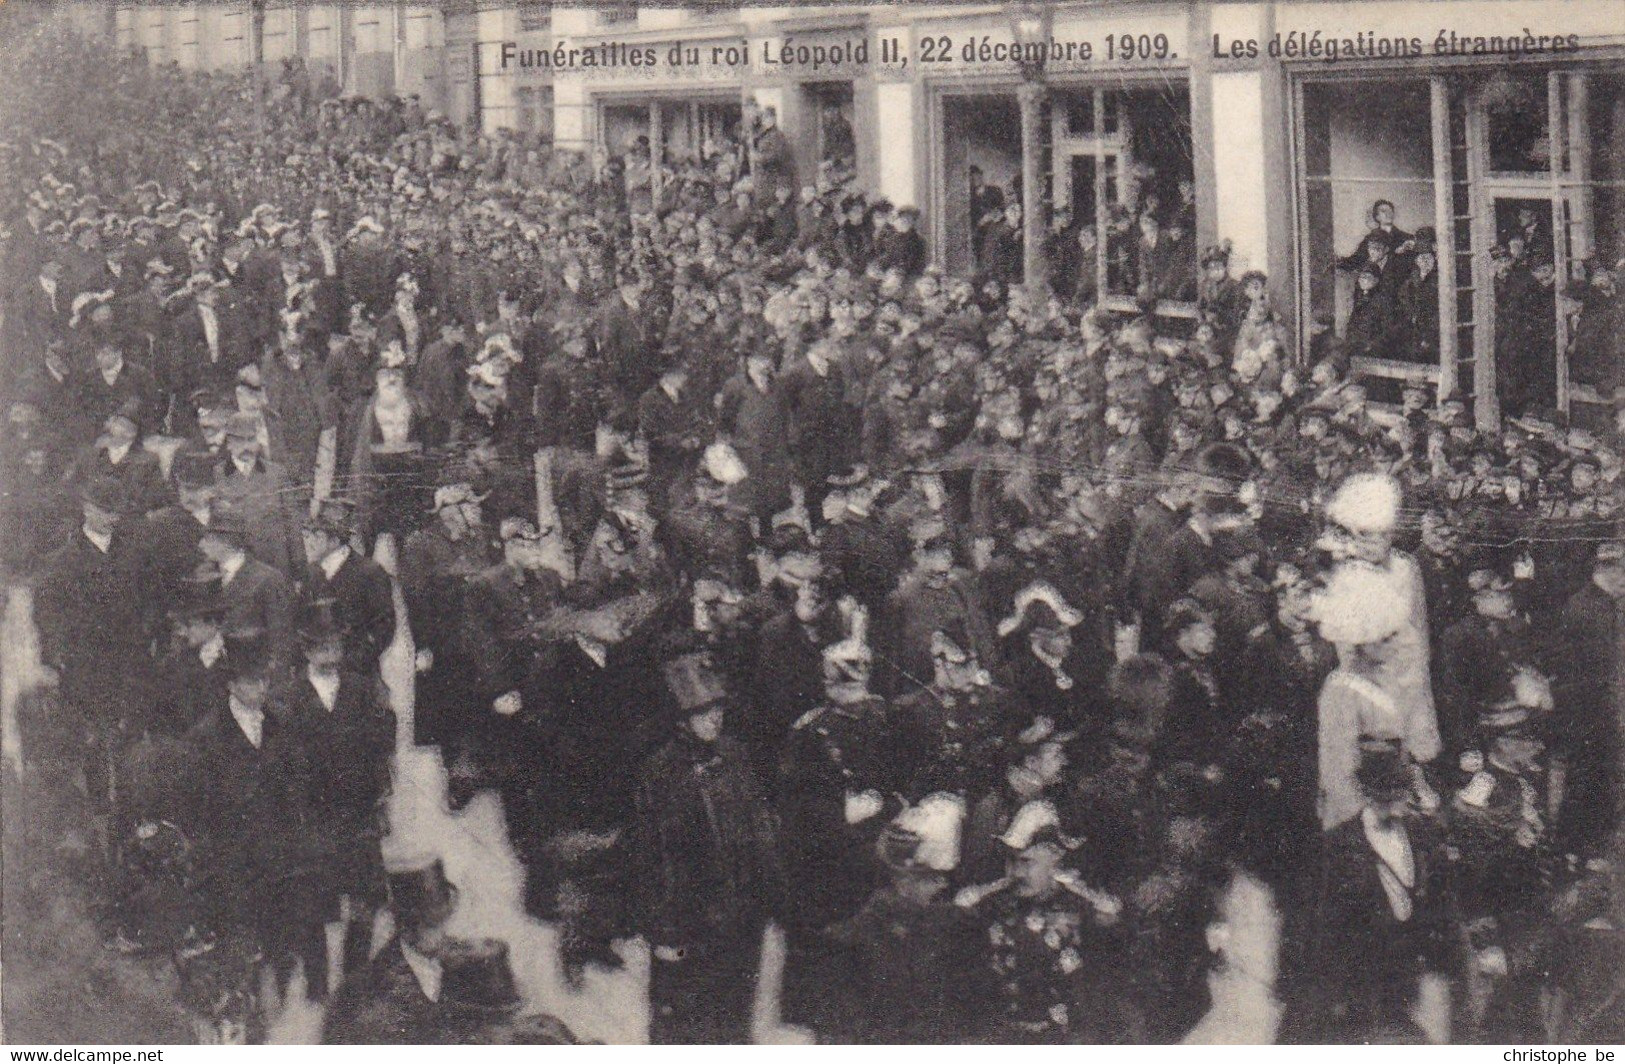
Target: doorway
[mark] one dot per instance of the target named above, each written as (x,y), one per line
(1526,324)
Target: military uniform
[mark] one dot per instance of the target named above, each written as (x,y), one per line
(1054,964)
(832,751)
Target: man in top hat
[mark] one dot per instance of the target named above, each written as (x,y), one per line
(190,676)
(397,998)
(258,489)
(344,722)
(170,535)
(94,627)
(1589,688)
(1384,918)
(254,596)
(363,600)
(250,821)
(704,867)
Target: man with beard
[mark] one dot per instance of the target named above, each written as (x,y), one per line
(954,725)
(704,868)
(937,596)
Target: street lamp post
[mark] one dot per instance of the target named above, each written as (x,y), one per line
(1030,26)
(257,46)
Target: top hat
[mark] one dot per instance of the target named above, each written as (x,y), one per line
(104,493)
(419,893)
(335,516)
(228,523)
(694,682)
(193,468)
(318,622)
(476,974)
(1383,775)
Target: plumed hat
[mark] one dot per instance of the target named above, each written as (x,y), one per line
(937,820)
(1041,593)
(1360,605)
(1366,503)
(723,464)
(1036,824)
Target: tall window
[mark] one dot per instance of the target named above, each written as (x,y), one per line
(1457,228)
(1371,245)
(1117,171)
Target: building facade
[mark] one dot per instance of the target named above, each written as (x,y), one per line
(1275,126)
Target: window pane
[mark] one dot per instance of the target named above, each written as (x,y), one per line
(1516,113)
(1368,209)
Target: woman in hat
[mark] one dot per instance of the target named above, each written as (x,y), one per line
(1384,927)
(705,869)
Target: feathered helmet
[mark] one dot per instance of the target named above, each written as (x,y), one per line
(1366,503)
(1361,605)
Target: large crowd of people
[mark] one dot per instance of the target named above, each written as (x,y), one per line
(976,638)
